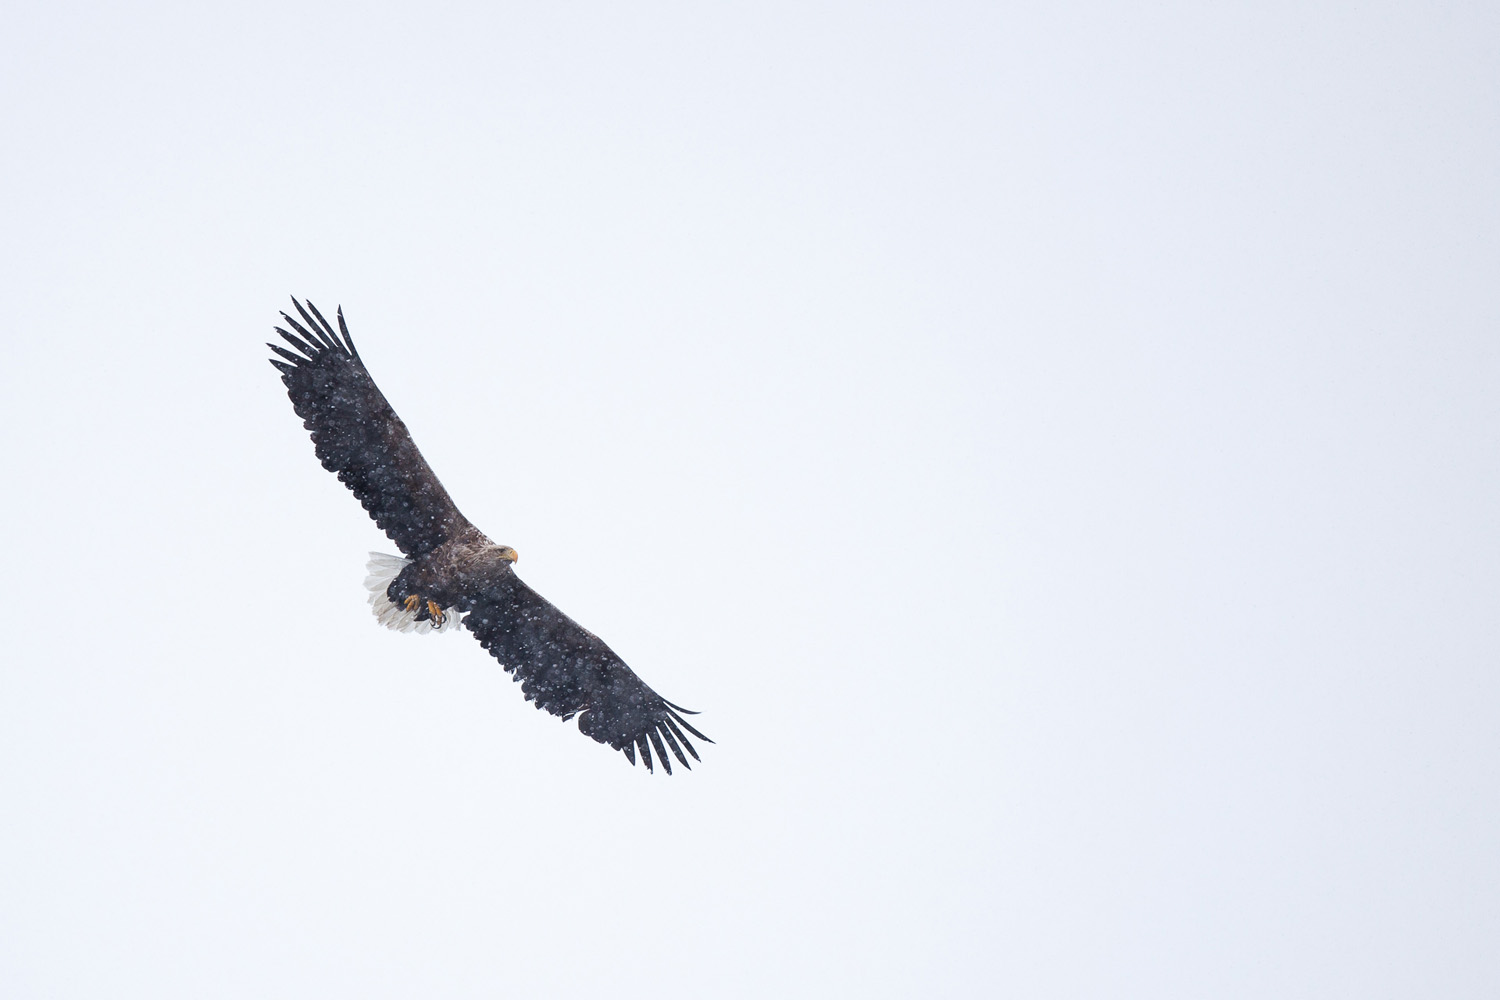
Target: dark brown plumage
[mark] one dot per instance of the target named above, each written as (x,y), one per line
(452,572)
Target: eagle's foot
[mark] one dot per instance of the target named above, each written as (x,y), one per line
(426,609)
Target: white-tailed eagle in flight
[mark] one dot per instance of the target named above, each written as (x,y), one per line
(452,576)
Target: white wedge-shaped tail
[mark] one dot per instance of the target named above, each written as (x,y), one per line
(384,568)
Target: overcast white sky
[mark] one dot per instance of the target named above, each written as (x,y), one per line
(1055,446)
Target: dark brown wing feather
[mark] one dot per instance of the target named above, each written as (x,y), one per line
(569,671)
(358,436)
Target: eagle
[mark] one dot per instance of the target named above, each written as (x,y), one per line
(449,574)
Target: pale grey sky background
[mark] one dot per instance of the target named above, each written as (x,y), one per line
(1055,445)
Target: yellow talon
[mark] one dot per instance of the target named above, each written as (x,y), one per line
(413,602)
(436,612)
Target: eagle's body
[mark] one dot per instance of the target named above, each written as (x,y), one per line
(452,574)
(469,563)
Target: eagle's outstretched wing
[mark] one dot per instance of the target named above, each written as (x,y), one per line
(358,436)
(569,671)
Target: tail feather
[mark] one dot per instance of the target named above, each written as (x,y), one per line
(382,569)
